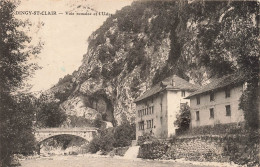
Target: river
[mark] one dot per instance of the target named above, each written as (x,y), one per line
(92,161)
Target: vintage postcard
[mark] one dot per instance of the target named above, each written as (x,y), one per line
(129,83)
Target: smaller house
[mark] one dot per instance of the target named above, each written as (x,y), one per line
(157,107)
(217,102)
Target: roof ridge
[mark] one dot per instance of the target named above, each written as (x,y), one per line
(180,84)
(220,82)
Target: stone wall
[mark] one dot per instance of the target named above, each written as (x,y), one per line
(153,150)
(241,149)
(203,148)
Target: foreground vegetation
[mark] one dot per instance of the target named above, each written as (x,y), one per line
(108,139)
(16,109)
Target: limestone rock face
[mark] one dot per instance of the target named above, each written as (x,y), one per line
(75,106)
(144,43)
(90,86)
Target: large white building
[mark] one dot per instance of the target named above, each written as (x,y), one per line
(157,108)
(217,102)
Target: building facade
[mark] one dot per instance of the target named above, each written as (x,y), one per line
(217,102)
(157,108)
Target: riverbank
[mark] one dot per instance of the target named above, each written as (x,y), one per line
(96,160)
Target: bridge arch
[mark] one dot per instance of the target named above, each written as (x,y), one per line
(56,135)
(42,135)
(87,134)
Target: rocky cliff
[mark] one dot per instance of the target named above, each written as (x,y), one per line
(143,43)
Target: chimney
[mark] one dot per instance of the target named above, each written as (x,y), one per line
(173,83)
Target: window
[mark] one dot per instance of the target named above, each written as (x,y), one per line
(141,125)
(228,110)
(197,115)
(227,93)
(211,112)
(152,109)
(198,100)
(161,120)
(211,97)
(149,123)
(183,93)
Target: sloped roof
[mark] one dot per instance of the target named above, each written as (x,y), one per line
(219,83)
(171,83)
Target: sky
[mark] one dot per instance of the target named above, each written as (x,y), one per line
(64,36)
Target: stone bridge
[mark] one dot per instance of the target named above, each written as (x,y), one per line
(85,133)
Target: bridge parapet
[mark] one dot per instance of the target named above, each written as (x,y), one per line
(45,133)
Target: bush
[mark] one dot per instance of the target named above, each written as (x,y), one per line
(103,142)
(218,129)
(94,145)
(107,139)
(98,122)
(124,134)
(243,150)
(147,137)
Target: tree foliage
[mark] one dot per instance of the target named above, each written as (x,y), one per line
(16,110)
(16,121)
(124,134)
(49,113)
(119,136)
(183,118)
(249,103)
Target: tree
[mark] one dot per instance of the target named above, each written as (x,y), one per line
(16,110)
(249,104)
(98,122)
(107,139)
(50,115)
(183,118)
(124,134)
(16,125)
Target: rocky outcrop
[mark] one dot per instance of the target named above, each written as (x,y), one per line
(146,42)
(75,106)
